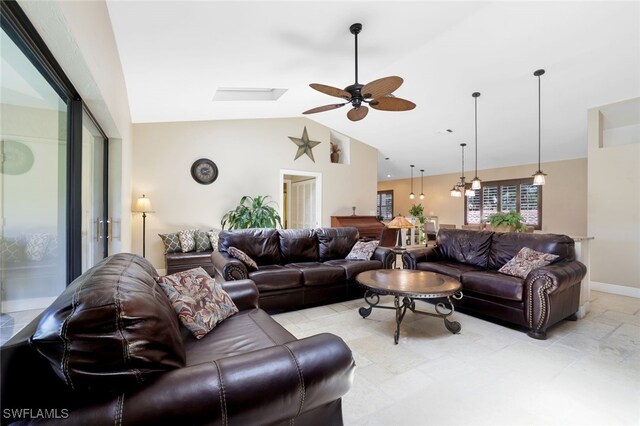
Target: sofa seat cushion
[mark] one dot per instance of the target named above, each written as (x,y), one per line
(246,331)
(354,267)
(316,273)
(448,267)
(493,283)
(276,277)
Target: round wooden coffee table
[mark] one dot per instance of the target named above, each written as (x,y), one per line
(410,284)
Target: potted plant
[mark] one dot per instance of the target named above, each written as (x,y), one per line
(417,211)
(507,222)
(252,213)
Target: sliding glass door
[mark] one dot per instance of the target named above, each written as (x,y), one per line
(33,189)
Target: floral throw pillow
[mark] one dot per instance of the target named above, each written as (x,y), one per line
(199,301)
(242,256)
(363,250)
(187,240)
(203,243)
(526,261)
(171,243)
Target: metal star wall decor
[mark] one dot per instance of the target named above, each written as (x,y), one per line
(304,145)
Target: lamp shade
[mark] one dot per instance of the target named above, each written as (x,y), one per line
(143,205)
(399,222)
(455,192)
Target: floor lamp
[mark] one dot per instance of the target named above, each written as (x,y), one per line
(143,205)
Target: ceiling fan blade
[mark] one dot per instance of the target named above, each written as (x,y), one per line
(358,113)
(391,104)
(324,108)
(331,91)
(381,87)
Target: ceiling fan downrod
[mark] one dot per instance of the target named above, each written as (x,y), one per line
(355,30)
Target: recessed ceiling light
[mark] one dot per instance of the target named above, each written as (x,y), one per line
(388,175)
(247,94)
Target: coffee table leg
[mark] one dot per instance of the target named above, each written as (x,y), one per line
(372,300)
(452,326)
(400,311)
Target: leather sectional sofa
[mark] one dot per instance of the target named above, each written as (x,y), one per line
(297,267)
(110,350)
(546,296)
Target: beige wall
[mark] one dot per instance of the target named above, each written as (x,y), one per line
(614,208)
(250,155)
(564,197)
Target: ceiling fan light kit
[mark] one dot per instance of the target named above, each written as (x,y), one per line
(377,94)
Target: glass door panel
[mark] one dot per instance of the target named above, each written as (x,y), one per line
(33,190)
(94,223)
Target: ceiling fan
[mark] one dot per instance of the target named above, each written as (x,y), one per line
(377,94)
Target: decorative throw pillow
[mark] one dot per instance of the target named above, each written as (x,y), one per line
(203,243)
(187,240)
(363,250)
(36,246)
(526,261)
(171,242)
(213,237)
(199,301)
(242,256)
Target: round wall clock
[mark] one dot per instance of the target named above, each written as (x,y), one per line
(204,171)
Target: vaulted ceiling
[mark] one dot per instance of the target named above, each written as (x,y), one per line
(175,54)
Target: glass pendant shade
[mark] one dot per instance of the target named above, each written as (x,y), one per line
(455,192)
(470,193)
(412,196)
(476,183)
(422,196)
(538,178)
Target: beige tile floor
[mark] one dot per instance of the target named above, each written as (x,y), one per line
(586,373)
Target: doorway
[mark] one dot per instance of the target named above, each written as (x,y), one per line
(300,199)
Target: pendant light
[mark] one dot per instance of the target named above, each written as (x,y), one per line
(422,184)
(538,176)
(457,189)
(411,195)
(475,183)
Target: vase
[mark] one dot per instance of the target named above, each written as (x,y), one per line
(335,157)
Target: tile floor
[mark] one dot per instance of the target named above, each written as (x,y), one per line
(587,372)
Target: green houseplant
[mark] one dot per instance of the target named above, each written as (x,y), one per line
(507,222)
(252,213)
(417,211)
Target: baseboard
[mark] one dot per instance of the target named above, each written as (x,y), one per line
(616,289)
(26,304)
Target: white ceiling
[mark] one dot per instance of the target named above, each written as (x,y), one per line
(175,54)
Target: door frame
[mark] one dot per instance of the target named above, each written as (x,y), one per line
(317,176)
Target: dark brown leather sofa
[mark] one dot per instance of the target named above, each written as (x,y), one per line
(547,295)
(297,267)
(110,350)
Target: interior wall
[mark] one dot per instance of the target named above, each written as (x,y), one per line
(250,155)
(614,207)
(565,187)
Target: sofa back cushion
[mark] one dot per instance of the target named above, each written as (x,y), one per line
(112,328)
(336,243)
(260,244)
(465,246)
(505,245)
(298,245)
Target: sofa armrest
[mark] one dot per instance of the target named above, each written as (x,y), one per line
(548,292)
(262,387)
(411,258)
(244,293)
(384,255)
(228,268)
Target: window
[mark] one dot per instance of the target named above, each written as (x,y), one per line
(385,205)
(520,195)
